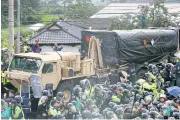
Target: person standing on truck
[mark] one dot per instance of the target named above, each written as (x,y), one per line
(56,48)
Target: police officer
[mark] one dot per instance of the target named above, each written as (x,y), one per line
(54,110)
(88,89)
(147,85)
(42,111)
(117,96)
(17,112)
(72,112)
(76,97)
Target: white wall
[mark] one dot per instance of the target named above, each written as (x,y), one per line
(66,48)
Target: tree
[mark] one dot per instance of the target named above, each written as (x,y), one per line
(153,15)
(156,14)
(81,10)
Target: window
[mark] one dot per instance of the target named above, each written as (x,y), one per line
(25,64)
(48,68)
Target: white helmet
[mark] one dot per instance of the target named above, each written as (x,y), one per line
(162,96)
(148,98)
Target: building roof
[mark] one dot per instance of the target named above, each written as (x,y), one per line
(117,9)
(51,36)
(92,23)
(60,33)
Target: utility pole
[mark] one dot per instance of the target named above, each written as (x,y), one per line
(11,28)
(19,29)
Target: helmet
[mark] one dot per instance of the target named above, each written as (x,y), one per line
(104,112)
(144,115)
(111,104)
(18,99)
(148,98)
(86,114)
(175,110)
(160,117)
(147,76)
(123,85)
(69,105)
(138,97)
(115,107)
(143,110)
(60,96)
(162,96)
(89,102)
(176,115)
(152,114)
(125,91)
(14,101)
(150,66)
(155,70)
(110,115)
(119,112)
(95,109)
(171,118)
(45,92)
(77,90)
(155,103)
(85,83)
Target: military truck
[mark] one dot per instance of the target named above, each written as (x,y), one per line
(99,50)
(139,46)
(58,70)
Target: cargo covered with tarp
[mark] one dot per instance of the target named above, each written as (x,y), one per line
(132,46)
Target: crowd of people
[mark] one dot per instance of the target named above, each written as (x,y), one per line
(148,98)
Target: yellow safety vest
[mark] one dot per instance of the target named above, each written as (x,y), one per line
(53,112)
(157,94)
(153,77)
(116,99)
(89,92)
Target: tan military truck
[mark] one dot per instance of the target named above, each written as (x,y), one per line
(62,70)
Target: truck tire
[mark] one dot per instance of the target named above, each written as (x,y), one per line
(67,88)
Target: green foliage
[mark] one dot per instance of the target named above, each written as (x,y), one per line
(81,10)
(125,22)
(156,15)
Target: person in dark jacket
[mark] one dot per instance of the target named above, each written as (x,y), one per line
(42,111)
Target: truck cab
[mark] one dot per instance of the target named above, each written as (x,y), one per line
(51,67)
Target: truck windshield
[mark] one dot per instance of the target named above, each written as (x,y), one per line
(25,64)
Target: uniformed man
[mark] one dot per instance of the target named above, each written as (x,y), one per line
(42,111)
(117,96)
(17,112)
(146,86)
(88,89)
(54,110)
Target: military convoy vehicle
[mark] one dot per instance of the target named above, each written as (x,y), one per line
(60,71)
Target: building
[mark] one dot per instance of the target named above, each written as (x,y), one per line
(67,33)
(61,33)
(118,9)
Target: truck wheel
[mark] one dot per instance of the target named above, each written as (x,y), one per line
(66,87)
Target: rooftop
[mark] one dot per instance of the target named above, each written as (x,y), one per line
(117,9)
